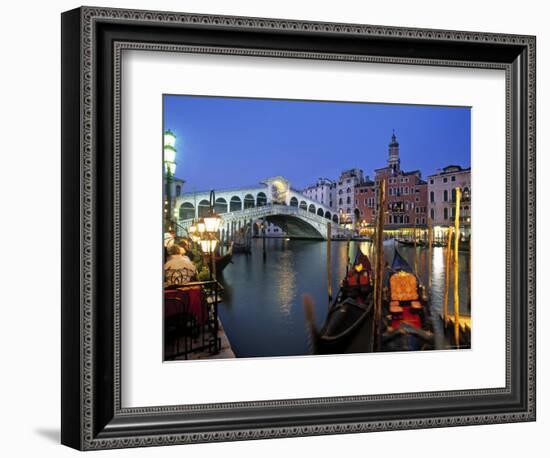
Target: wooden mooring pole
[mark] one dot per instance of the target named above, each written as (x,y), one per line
(430,254)
(379,269)
(456,295)
(447,275)
(329,263)
(347,255)
(422,264)
(415,250)
(264,223)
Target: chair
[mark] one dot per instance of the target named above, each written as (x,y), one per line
(395,308)
(178,321)
(404,288)
(178,277)
(193,296)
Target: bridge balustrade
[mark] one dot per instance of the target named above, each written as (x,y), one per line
(254,213)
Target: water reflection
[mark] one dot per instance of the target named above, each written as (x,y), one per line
(263,312)
(285,281)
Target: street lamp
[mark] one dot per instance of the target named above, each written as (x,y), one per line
(208,245)
(169,170)
(205,233)
(212,222)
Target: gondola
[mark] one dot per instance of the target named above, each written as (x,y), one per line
(241,248)
(241,242)
(419,243)
(222,261)
(406,323)
(405,242)
(348,325)
(464,245)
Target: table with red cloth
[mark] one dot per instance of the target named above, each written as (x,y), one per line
(191,295)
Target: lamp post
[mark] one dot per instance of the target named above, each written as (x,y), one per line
(212,223)
(205,233)
(169,171)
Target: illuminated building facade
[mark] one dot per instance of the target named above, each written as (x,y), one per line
(406,194)
(442,195)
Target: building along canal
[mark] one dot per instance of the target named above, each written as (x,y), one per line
(262,311)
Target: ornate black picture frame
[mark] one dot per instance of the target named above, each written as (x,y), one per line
(92,415)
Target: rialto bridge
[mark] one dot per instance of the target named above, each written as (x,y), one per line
(272,200)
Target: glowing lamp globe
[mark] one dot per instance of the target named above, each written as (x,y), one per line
(208,246)
(169,154)
(170,139)
(212,223)
(170,167)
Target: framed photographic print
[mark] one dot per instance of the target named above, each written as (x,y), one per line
(277,228)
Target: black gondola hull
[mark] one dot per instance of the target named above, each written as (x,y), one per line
(347,329)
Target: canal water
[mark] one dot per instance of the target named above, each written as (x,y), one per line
(263,313)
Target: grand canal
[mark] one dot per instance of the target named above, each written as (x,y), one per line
(263,313)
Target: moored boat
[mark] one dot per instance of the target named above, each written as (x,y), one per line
(348,325)
(406,323)
(222,261)
(405,242)
(241,248)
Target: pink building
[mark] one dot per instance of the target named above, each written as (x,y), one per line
(406,194)
(442,195)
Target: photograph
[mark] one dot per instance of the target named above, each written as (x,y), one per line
(268,229)
(307,227)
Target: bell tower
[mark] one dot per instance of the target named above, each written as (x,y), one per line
(393,154)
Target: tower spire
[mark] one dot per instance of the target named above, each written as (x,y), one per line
(393,154)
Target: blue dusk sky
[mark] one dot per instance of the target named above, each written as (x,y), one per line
(227,142)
